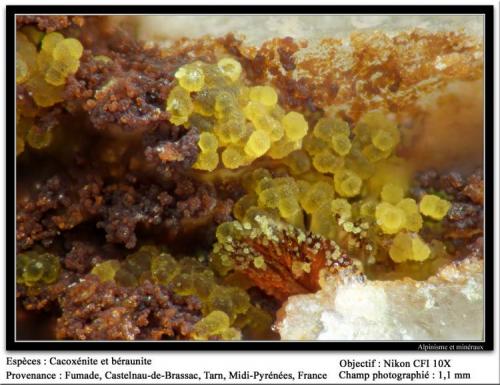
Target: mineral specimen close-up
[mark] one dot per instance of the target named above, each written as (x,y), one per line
(321,185)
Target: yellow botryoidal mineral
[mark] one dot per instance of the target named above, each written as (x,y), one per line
(45,72)
(179,105)
(413,219)
(26,54)
(391,219)
(327,162)
(190,77)
(264,95)
(298,162)
(243,204)
(283,148)
(258,144)
(408,247)
(319,193)
(66,60)
(347,183)
(246,121)
(342,208)
(376,129)
(234,156)
(392,193)
(434,207)
(295,125)
(326,128)
(230,68)
(341,144)
(208,142)
(106,270)
(39,138)
(207,161)
(217,325)
(36,267)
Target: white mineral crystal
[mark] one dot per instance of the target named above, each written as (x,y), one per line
(448,306)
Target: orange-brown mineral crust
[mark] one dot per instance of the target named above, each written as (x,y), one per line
(373,71)
(50,23)
(94,310)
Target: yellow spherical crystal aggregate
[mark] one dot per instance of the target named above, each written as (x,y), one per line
(298,162)
(295,125)
(347,183)
(246,121)
(265,95)
(190,77)
(106,270)
(317,195)
(212,324)
(392,193)
(36,267)
(408,246)
(179,105)
(233,157)
(327,127)
(208,142)
(327,162)
(342,208)
(226,309)
(45,72)
(288,207)
(413,221)
(39,138)
(230,68)
(434,207)
(67,49)
(66,60)
(50,41)
(207,161)
(22,70)
(314,145)
(258,144)
(341,144)
(283,147)
(390,218)
(384,140)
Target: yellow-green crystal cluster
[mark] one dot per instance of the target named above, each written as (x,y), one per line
(238,124)
(37,267)
(434,207)
(344,182)
(226,309)
(43,64)
(45,70)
